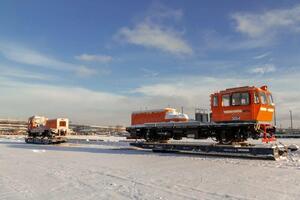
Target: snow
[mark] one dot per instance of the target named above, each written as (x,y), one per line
(113,170)
(96,137)
(39,151)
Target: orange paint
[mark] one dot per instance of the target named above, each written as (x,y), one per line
(154,116)
(51,123)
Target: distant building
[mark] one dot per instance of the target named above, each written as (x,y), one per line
(97,130)
(16,127)
(12,127)
(287,131)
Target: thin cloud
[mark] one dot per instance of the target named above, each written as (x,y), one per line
(28,56)
(149,73)
(267,68)
(12,72)
(94,58)
(83,71)
(153,32)
(212,40)
(155,36)
(269,22)
(261,56)
(159,12)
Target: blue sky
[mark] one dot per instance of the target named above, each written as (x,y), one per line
(96,61)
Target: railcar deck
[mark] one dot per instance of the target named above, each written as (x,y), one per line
(190,124)
(260,151)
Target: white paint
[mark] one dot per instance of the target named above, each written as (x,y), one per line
(39,151)
(263,109)
(152,111)
(232,111)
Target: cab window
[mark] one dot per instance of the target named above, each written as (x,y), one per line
(62,123)
(256,98)
(215,101)
(263,97)
(240,99)
(226,100)
(245,98)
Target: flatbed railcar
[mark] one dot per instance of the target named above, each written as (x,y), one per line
(268,151)
(161,132)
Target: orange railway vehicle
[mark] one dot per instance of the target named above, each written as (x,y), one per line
(243,104)
(47,131)
(159,115)
(236,115)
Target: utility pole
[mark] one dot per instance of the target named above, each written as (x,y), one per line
(291,116)
(275,119)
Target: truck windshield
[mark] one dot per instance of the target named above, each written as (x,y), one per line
(256,98)
(263,98)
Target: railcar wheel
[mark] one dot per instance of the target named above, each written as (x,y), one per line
(224,137)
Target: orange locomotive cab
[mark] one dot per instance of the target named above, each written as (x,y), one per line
(244,104)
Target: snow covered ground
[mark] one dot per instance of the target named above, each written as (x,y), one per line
(112,170)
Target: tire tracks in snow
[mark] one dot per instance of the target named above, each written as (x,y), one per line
(166,190)
(16,186)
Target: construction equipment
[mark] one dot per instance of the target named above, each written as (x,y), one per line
(236,115)
(47,131)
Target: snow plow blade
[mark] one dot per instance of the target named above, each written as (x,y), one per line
(269,151)
(38,140)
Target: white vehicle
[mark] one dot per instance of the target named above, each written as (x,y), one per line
(47,131)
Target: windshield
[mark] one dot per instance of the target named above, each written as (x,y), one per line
(263,98)
(256,98)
